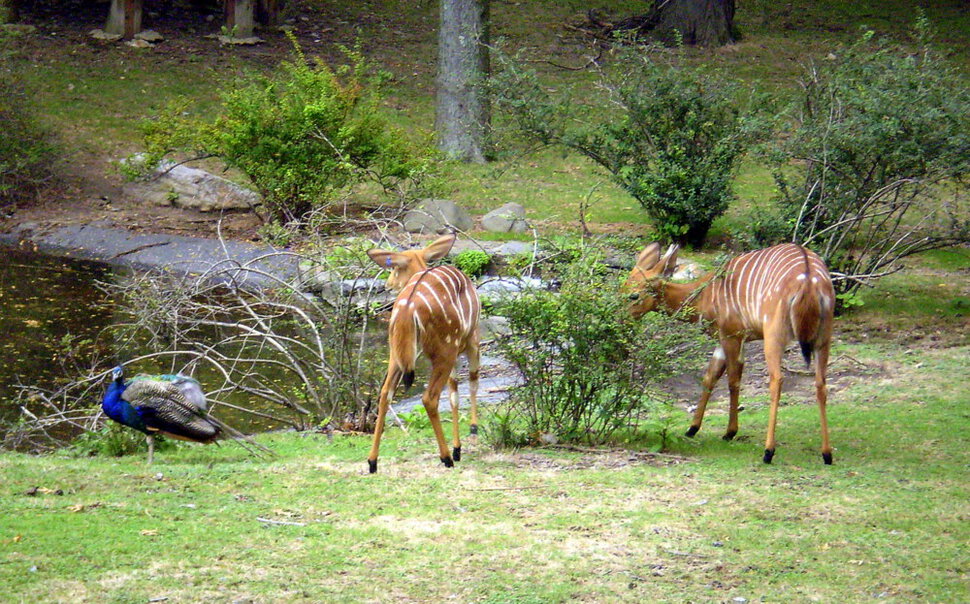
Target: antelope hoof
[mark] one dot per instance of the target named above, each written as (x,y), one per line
(692,431)
(456,454)
(448,462)
(769,453)
(372,466)
(827,458)
(729,435)
(474,429)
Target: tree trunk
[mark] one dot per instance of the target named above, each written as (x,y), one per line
(124,18)
(462,113)
(700,22)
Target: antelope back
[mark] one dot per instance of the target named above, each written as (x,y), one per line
(443,302)
(757,285)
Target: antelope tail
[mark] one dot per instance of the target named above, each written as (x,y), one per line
(806,315)
(404,342)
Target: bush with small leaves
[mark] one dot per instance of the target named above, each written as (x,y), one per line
(305,135)
(472,262)
(589,371)
(671,135)
(873,168)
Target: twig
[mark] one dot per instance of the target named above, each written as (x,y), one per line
(510,488)
(281,522)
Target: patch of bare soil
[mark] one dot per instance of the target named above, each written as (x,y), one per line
(598,459)
(798,386)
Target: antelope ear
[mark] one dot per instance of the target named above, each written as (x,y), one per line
(669,261)
(388,260)
(439,248)
(649,256)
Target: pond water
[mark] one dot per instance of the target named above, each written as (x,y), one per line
(43,301)
(46,301)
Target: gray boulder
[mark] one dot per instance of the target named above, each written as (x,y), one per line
(437,216)
(509,218)
(185,187)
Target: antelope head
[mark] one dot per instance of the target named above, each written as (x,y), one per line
(403,265)
(646,282)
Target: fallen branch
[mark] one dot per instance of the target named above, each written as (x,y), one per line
(281,522)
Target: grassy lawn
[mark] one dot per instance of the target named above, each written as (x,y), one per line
(886,522)
(706,521)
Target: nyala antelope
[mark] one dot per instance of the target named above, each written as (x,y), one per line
(436,309)
(778,294)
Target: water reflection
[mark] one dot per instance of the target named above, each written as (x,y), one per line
(43,301)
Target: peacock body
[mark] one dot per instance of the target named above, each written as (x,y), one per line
(171,405)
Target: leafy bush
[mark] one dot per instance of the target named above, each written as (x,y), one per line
(305,136)
(873,168)
(589,370)
(472,262)
(673,135)
(27,150)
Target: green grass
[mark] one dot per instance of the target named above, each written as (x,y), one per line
(886,522)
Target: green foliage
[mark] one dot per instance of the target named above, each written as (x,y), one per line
(472,262)
(306,135)
(27,150)
(873,167)
(589,370)
(672,136)
(275,233)
(115,440)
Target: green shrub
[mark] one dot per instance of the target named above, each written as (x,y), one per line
(27,149)
(672,136)
(872,169)
(305,136)
(472,262)
(590,372)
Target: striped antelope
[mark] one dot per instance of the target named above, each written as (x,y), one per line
(437,308)
(778,294)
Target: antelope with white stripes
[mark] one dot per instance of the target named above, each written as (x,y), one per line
(778,294)
(436,309)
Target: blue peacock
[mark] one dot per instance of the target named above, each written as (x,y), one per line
(169,405)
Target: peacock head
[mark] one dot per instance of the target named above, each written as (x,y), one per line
(117,373)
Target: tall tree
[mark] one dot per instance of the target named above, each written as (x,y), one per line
(701,22)
(463,112)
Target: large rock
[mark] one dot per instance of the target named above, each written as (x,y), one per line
(437,216)
(185,187)
(509,218)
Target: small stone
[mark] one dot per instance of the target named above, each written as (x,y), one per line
(149,35)
(138,43)
(100,34)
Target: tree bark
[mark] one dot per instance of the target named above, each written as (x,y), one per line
(463,112)
(700,22)
(124,18)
